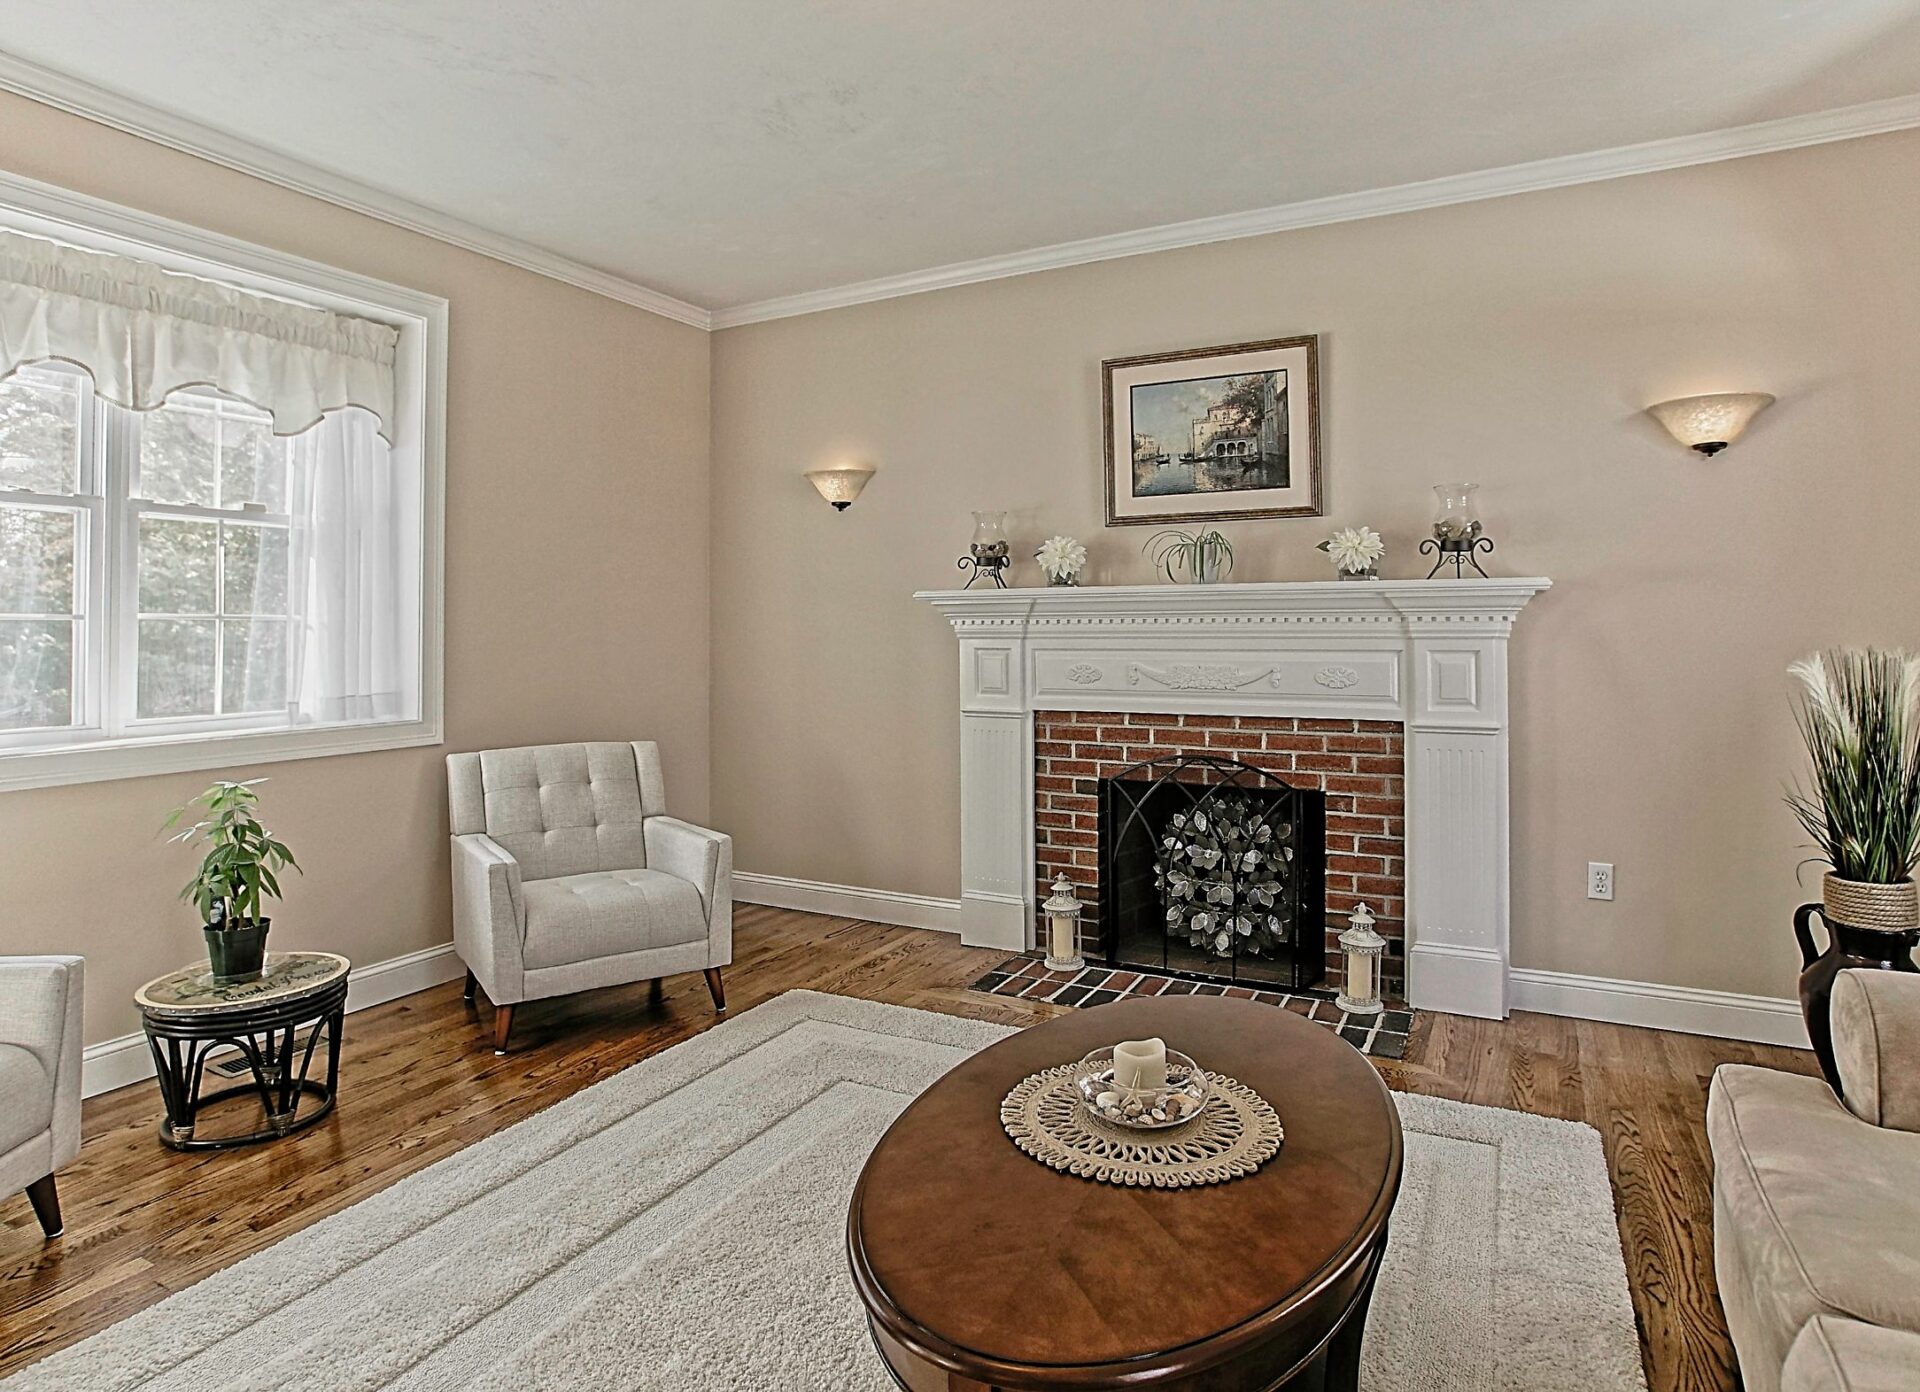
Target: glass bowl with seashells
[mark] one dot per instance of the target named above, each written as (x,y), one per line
(1143,1109)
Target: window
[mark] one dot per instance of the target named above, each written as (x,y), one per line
(146,566)
(180,586)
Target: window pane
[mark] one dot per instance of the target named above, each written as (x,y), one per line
(253,464)
(176,667)
(40,431)
(178,565)
(36,673)
(177,455)
(36,560)
(253,660)
(255,577)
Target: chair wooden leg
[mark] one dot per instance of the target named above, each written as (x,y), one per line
(46,1205)
(718,990)
(472,986)
(502,1027)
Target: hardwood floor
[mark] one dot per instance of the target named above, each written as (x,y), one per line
(420,1080)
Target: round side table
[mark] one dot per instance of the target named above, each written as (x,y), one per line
(188,1016)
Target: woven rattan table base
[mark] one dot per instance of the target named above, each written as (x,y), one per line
(1235,1135)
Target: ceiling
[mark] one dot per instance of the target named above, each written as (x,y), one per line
(730,152)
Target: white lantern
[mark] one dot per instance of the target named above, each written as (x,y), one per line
(1063,928)
(1363,947)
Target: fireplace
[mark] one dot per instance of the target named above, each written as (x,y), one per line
(1212,867)
(1391,697)
(1352,771)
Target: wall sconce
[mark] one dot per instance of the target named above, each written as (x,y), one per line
(840,486)
(1710,423)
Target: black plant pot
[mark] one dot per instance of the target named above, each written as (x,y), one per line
(237,954)
(1847,946)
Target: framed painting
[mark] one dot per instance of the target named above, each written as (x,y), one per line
(1214,434)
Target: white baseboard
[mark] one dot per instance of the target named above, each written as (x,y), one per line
(1685,1009)
(848,901)
(114,1063)
(1457,980)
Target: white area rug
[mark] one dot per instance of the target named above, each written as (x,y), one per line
(682,1226)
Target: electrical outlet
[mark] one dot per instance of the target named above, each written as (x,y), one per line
(1599,880)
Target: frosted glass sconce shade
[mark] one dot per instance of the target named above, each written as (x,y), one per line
(840,486)
(1710,423)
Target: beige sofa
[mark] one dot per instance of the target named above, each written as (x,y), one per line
(1816,1203)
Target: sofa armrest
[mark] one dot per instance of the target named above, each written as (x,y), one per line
(1834,1354)
(489,915)
(40,1010)
(705,858)
(1876,1045)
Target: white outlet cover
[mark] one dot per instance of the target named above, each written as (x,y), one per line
(1599,880)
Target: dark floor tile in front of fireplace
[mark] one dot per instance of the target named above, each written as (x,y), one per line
(1383,1035)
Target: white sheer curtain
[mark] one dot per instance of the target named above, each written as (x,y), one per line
(355,575)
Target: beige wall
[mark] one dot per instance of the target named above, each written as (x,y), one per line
(576,588)
(1513,342)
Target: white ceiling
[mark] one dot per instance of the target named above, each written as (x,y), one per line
(731,151)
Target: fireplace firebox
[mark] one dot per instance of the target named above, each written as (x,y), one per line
(1212,867)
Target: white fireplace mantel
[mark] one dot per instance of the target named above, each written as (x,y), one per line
(1431,654)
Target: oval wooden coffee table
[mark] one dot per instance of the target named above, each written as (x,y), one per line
(982,1268)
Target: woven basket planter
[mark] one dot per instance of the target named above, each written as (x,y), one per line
(1886,908)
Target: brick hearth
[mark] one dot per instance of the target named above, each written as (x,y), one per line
(1359,764)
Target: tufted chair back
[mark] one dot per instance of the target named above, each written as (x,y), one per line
(560,809)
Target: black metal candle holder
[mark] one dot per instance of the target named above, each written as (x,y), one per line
(990,565)
(1457,552)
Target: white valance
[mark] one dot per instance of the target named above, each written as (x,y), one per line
(144,332)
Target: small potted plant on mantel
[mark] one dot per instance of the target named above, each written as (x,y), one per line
(237,875)
(1859,714)
(1206,557)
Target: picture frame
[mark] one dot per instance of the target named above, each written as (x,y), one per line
(1213,434)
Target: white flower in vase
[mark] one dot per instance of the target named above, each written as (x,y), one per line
(1061,560)
(1355,550)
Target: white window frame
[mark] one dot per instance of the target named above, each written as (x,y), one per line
(85,753)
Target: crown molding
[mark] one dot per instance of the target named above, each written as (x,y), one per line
(1786,133)
(139,118)
(142,119)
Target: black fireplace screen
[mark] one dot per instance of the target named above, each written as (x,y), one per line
(1214,868)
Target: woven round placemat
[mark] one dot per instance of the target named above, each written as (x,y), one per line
(1234,1135)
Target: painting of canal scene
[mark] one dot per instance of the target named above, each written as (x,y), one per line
(1213,433)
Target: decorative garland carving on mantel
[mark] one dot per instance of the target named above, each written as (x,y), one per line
(1197,676)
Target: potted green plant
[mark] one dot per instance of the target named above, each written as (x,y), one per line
(1859,713)
(1206,557)
(237,874)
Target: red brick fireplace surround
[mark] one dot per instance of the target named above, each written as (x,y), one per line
(1359,764)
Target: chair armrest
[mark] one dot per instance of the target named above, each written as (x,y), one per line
(688,852)
(40,1010)
(489,914)
(705,858)
(1876,1045)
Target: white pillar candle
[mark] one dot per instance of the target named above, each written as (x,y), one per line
(1140,1064)
(1063,946)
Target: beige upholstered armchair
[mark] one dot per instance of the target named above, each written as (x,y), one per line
(39,1077)
(568,875)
